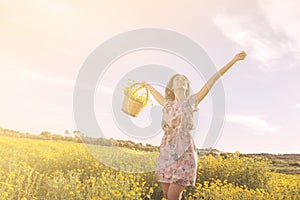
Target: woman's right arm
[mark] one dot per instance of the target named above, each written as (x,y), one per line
(158,97)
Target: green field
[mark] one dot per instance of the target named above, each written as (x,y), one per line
(54,169)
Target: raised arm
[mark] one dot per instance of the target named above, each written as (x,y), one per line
(209,84)
(158,97)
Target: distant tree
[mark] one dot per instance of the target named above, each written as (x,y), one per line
(57,137)
(67,132)
(76,133)
(139,146)
(45,133)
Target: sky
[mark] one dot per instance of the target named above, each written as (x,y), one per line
(44,43)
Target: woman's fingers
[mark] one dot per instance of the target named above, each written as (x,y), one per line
(241,55)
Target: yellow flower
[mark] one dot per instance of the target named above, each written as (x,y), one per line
(116,193)
(151,190)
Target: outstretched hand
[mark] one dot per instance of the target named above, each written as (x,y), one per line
(240,56)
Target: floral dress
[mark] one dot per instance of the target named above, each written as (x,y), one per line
(177,161)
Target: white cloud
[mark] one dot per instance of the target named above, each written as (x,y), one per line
(283,17)
(258,125)
(269,35)
(298,105)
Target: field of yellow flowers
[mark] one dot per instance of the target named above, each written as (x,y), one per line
(45,169)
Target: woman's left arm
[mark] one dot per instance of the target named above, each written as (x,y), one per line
(209,84)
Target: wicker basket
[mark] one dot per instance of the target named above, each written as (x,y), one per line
(133,106)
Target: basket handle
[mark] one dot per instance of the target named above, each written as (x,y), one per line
(142,86)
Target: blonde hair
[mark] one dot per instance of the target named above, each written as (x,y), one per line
(169,94)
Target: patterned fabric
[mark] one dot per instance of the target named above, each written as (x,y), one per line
(177,161)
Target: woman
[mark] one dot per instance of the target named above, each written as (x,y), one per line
(177,161)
